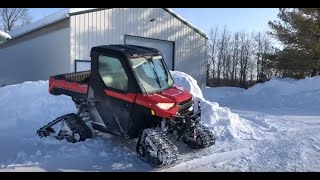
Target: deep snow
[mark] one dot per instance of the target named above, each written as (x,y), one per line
(281,96)
(248,138)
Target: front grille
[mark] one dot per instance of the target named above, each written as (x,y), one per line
(184,107)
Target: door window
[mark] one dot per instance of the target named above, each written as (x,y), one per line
(112,73)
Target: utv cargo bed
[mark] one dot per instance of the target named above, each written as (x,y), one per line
(71,84)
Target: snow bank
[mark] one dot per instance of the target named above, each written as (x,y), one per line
(4,35)
(187,82)
(224,123)
(50,19)
(278,95)
(26,107)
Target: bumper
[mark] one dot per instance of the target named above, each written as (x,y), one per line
(187,123)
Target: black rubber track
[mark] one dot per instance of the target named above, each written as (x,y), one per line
(164,145)
(206,136)
(76,125)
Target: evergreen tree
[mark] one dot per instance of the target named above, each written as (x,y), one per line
(299,32)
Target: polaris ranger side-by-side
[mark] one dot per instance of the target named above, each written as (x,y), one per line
(129,92)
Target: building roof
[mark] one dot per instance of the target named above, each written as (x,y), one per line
(66,13)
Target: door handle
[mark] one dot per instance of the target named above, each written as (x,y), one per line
(126,105)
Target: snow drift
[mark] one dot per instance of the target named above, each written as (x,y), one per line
(224,123)
(26,107)
(280,95)
(187,82)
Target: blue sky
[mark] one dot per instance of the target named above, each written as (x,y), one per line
(235,19)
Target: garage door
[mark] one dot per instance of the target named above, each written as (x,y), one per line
(165,47)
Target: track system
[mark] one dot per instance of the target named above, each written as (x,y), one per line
(73,129)
(200,137)
(154,145)
(156,149)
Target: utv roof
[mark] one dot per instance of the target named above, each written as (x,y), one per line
(127,50)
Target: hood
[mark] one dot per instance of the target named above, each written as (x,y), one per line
(173,94)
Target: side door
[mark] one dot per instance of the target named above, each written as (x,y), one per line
(110,90)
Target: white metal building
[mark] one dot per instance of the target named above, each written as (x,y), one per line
(61,43)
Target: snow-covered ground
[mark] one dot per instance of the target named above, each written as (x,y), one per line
(270,127)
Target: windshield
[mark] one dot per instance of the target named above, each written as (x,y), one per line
(152,74)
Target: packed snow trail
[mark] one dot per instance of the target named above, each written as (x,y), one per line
(290,144)
(260,140)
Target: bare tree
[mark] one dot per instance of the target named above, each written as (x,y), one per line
(14,17)
(221,53)
(235,58)
(267,49)
(245,53)
(258,40)
(263,44)
(212,50)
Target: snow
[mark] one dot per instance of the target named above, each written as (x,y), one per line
(75,10)
(4,35)
(252,134)
(58,16)
(192,26)
(221,120)
(277,96)
(187,82)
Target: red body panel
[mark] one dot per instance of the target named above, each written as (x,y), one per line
(172,95)
(130,97)
(71,86)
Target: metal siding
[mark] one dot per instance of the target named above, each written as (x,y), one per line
(116,24)
(73,36)
(107,27)
(190,47)
(37,58)
(78,36)
(90,33)
(81,42)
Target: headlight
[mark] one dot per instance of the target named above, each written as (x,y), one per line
(165,105)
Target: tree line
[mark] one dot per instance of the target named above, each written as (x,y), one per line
(243,59)
(238,58)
